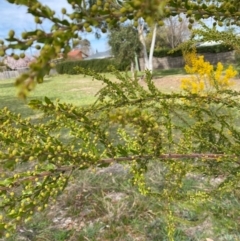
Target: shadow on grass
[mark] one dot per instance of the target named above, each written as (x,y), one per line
(17,106)
(6,85)
(165,72)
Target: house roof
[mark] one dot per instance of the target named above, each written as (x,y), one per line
(76,52)
(17,64)
(209,43)
(101,55)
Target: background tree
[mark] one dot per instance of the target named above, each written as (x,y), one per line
(125,44)
(82,44)
(103,13)
(171,34)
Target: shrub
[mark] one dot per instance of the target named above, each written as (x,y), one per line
(214,49)
(160,53)
(3,67)
(97,65)
(203,76)
(193,137)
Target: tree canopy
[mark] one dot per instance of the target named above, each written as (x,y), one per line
(124,42)
(171,34)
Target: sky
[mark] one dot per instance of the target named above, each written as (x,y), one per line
(16,17)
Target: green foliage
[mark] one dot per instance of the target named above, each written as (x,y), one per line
(98,65)
(228,38)
(103,15)
(188,134)
(125,43)
(214,49)
(157,231)
(3,67)
(160,53)
(82,44)
(200,49)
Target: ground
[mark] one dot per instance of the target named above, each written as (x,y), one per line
(171,83)
(102,205)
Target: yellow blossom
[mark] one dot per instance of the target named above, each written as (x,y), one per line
(203,76)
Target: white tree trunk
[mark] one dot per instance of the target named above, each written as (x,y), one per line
(142,40)
(132,69)
(150,65)
(148,61)
(136,63)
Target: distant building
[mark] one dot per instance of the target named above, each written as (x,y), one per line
(76,54)
(21,63)
(209,43)
(101,55)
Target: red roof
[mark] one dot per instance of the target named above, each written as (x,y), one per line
(76,53)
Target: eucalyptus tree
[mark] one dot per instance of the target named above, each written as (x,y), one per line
(125,44)
(171,34)
(82,44)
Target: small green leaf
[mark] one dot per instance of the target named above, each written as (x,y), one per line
(47,100)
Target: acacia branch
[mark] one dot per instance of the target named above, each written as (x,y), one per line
(168,156)
(205,156)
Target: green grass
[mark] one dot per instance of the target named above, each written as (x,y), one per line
(76,89)
(166,72)
(163,72)
(103,205)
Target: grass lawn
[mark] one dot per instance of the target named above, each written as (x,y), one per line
(75,89)
(166,72)
(78,89)
(102,205)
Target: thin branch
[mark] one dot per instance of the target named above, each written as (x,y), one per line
(168,156)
